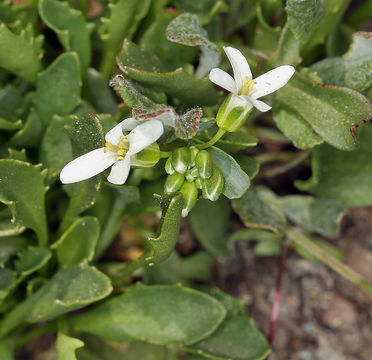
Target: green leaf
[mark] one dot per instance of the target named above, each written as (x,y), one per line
(122,22)
(22,189)
(69,289)
(156,314)
(31,260)
(21,54)
(30,134)
(217,214)
(330,112)
(248,164)
(71,28)
(178,83)
(155,41)
(9,246)
(78,242)
(10,100)
(186,29)
(342,175)
(260,208)
(353,70)
(103,97)
(318,215)
(58,88)
(66,347)
(7,282)
(237,338)
(158,249)
(86,134)
(311,20)
(10,126)
(56,148)
(288,50)
(236,180)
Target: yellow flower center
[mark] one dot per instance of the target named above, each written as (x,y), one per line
(121,148)
(247,86)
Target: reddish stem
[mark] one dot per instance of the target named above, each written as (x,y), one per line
(276,302)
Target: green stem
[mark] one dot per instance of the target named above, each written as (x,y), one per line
(270,157)
(301,240)
(212,141)
(298,159)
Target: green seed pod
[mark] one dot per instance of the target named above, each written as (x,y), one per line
(181,159)
(212,187)
(193,152)
(173,183)
(168,166)
(233,113)
(190,196)
(204,164)
(198,183)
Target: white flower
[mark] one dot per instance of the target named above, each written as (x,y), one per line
(243,86)
(117,152)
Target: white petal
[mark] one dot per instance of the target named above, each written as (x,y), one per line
(113,136)
(240,66)
(259,105)
(271,81)
(223,79)
(129,124)
(120,171)
(86,166)
(144,135)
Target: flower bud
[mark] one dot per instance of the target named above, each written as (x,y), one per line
(212,187)
(147,158)
(204,164)
(233,112)
(168,166)
(190,196)
(173,183)
(181,159)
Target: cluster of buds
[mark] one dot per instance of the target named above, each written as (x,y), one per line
(190,170)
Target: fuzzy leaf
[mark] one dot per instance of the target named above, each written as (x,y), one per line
(343,175)
(158,249)
(187,125)
(330,112)
(213,238)
(22,189)
(157,314)
(353,70)
(237,338)
(69,289)
(186,29)
(318,215)
(178,83)
(20,54)
(260,208)
(58,88)
(78,242)
(122,22)
(236,180)
(70,27)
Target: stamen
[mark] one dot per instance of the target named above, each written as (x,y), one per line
(247,86)
(121,148)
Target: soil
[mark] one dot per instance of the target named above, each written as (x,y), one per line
(322,316)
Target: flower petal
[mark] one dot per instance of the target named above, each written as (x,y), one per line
(120,171)
(240,66)
(87,166)
(259,105)
(113,136)
(144,135)
(129,124)
(223,79)
(271,81)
